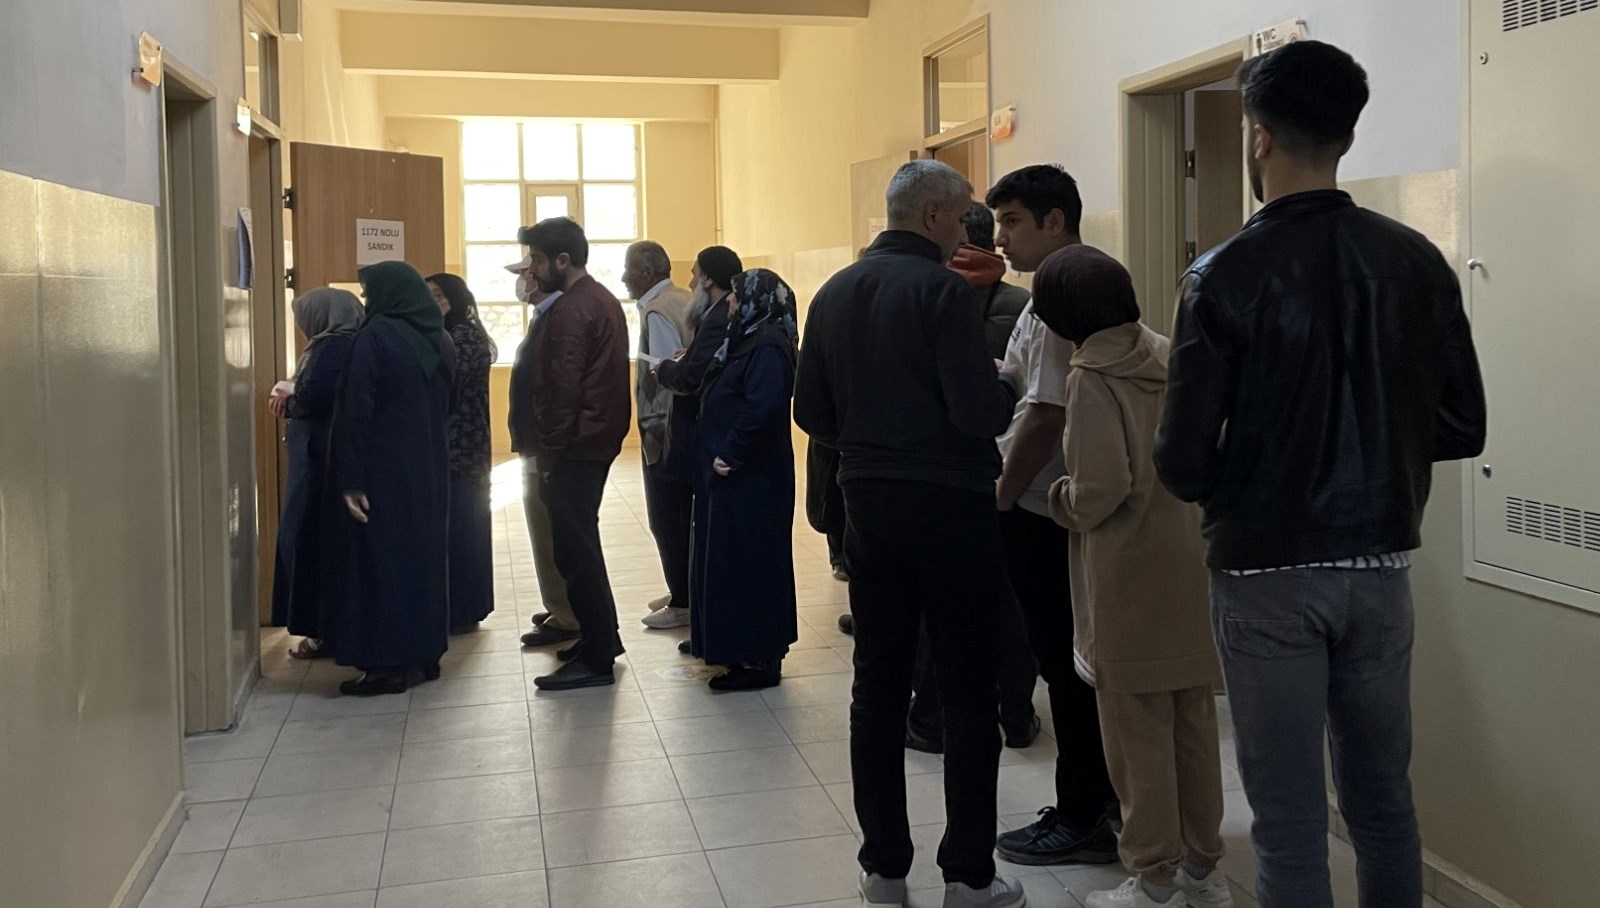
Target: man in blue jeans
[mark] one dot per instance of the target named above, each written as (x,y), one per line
(1321,364)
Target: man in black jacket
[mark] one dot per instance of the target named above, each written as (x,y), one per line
(894,374)
(686,375)
(1322,363)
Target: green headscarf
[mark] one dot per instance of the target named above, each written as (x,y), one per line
(397,295)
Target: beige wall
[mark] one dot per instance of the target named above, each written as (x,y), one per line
(439,96)
(680,190)
(90,770)
(321,103)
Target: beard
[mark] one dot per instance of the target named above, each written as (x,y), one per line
(699,302)
(554,283)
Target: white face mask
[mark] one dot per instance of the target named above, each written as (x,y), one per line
(524,290)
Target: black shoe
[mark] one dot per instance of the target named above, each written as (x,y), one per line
(744,677)
(928,744)
(1051,841)
(545,635)
(540,618)
(378,684)
(686,647)
(432,672)
(1024,739)
(471,628)
(575,675)
(571,652)
(840,574)
(847,624)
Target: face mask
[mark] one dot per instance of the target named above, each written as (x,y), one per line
(523,290)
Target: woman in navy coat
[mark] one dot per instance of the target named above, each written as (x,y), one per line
(742,575)
(329,320)
(393,613)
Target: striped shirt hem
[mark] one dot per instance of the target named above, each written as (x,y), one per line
(1390,561)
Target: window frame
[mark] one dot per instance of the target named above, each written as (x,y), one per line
(529,189)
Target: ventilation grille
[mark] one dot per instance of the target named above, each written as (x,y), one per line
(1516,14)
(1573,527)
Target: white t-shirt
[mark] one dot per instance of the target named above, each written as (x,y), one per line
(1043,358)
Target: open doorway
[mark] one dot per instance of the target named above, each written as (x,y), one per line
(956,102)
(193,352)
(1183,170)
(272,346)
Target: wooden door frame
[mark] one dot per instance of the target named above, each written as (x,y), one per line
(192,277)
(271,337)
(1152,171)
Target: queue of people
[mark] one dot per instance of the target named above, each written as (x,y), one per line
(1320,364)
(1013,486)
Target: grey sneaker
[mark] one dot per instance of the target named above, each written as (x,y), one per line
(1210,891)
(878,890)
(1002,892)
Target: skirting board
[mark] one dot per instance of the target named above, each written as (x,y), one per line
(1444,881)
(150,859)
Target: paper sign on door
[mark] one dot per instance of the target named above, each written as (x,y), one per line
(379,241)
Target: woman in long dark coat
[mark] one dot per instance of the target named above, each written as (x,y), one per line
(329,320)
(471,520)
(742,577)
(393,614)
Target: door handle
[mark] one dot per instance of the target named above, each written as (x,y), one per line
(1476,265)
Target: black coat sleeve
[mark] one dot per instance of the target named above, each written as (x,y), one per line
(316,391)
(688,375)
(1461,429)
(1202,372)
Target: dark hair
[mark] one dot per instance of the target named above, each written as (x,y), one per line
(1080,291)
(720,264)
(1309,94)
(463,308)
(980,226)
(553,236)
(1041,188)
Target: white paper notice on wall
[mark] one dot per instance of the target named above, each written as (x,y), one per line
(379,241)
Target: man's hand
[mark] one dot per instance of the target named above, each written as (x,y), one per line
(358,506)
(721,467)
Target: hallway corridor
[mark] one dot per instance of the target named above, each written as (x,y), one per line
(476,792)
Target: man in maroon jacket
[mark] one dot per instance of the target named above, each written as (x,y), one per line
(580,412)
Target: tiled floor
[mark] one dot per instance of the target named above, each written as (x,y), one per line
(478,792)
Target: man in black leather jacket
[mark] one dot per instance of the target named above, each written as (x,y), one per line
(1321,364)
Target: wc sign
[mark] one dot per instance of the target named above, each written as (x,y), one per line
(379,241)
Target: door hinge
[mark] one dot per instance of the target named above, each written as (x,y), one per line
(1188,164)
(1192,250)
(288,198)
(289,279)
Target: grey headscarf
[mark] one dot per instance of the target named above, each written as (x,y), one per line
(323,313)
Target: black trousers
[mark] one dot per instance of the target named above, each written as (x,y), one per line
(921,552)
(1036,563)
(670,506)
(1014,666)
(572,492)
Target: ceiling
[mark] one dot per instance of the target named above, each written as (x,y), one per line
(770,13)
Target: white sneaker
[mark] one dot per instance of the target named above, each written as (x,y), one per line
(882,892)
(658,603)
(666,619)
(1002,892)
(1132,895)
(1211,892)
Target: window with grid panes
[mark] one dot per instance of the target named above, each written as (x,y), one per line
(516,173)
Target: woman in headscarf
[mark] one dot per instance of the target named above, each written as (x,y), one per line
(393,613)
(328,319)
(471,522)
(742,576)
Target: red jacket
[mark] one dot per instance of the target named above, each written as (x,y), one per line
(581,403)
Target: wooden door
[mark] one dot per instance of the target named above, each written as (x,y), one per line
(336,187)
(1218,167)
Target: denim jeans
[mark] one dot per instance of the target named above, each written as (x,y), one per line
(1323,654)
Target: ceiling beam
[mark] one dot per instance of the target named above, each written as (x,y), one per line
(379,44)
